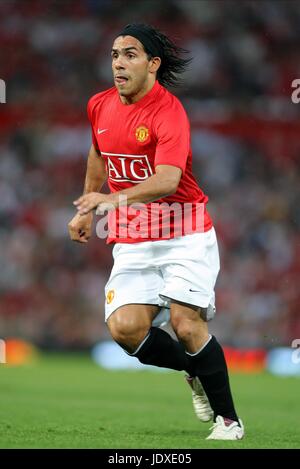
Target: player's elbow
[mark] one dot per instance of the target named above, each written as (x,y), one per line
(166,188)
(171,186)
(169,180)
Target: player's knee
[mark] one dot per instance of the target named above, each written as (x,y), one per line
(126,331)
(184,329)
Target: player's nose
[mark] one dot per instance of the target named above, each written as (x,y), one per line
(119,64)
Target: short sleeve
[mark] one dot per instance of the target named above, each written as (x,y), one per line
(90,116)
(173,136)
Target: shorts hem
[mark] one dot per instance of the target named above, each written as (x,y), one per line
(199,304)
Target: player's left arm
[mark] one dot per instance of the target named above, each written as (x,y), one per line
(161,184)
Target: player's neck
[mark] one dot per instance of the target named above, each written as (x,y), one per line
(139,95)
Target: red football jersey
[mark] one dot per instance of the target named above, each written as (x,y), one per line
(135,138)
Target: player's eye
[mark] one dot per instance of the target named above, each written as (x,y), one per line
(131,56)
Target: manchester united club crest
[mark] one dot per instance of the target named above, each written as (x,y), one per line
(110,296)
(142,133)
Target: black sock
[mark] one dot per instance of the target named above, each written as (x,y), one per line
(210,367)
(160,349)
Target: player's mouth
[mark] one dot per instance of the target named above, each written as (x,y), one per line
(121,79)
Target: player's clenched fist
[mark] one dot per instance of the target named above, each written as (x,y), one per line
(80,227)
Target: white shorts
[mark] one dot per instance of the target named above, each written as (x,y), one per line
(155,272)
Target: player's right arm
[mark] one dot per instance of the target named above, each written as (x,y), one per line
(80,227)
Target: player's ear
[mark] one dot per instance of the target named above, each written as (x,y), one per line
(154,64)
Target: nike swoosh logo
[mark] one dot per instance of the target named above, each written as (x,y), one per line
(195,291)
(100,131)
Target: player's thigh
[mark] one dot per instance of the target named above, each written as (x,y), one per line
(132,319)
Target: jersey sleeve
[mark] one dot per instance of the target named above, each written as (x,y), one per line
(90,107)
(173,136)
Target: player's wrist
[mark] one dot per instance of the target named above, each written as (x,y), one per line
(106,205)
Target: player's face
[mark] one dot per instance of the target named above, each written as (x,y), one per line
(130,66)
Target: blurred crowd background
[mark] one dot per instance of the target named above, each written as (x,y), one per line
(245,133)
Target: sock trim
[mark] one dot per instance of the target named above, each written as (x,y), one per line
(200,350)
(139,347)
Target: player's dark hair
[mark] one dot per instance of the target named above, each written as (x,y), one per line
(157,44)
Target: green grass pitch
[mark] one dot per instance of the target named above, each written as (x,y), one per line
(65,401)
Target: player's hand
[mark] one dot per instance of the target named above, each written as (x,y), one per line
(80,227)
(88,202)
